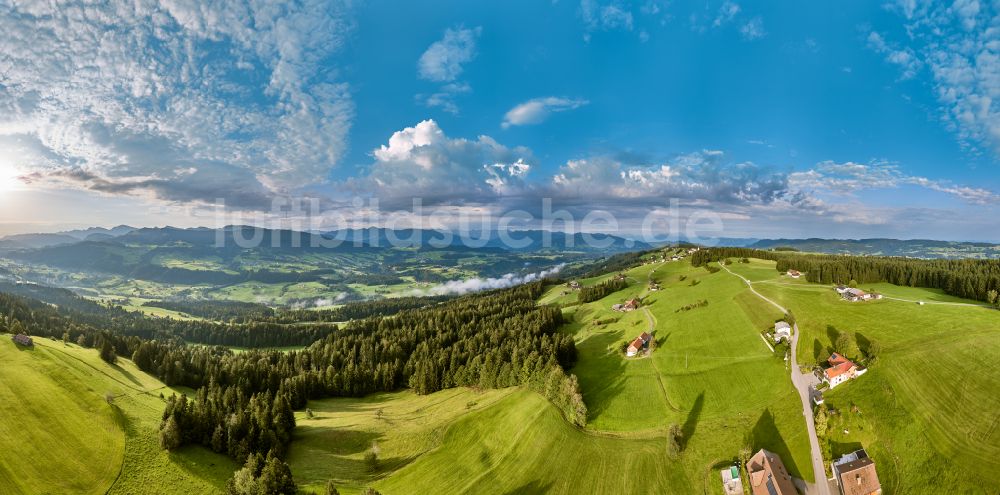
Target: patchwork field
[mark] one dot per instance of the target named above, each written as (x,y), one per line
(927,411)
(68,439)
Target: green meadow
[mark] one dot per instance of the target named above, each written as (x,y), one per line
(68,439)
(927,410)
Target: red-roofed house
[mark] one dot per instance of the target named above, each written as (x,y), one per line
(631,304)
(634,347)
(841,369)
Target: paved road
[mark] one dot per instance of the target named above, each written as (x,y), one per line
(803,383)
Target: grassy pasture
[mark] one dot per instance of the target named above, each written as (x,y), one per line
(927,411)
(710,373)
(69,440)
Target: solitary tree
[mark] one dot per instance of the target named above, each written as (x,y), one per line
(874,349)
(331,489)
(675,438)
(843,342)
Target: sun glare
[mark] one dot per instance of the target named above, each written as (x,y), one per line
(8,177)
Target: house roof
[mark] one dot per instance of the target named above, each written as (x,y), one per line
(859,477)
(636,344)
(782,325)
(645,336)
(768,475)
(836,359)
(855,292)
(838,370)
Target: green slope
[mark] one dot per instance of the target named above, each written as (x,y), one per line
(927,411)
(59,435)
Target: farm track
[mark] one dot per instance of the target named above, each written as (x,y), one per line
(802,383)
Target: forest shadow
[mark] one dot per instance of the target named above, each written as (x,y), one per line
(127,374)
(692,419)
(602,379)
(765,435)
(337,441)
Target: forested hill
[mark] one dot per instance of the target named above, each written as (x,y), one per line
(971,279)
(913,248)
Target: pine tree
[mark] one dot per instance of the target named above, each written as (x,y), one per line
(170,434)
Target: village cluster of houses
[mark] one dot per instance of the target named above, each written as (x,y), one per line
(854,295)
(630,305)
(653,286)
(22,339)
(854,473)
(841,370)
(638,344)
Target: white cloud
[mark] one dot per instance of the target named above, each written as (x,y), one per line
(727,12)
(753,29)
(443,60)
(960,45)
(421,161)
(128,93)
(851,177)
(537,110)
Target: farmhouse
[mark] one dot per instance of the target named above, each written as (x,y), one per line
(855,474)
(620,276)
(794,273)
(638,344)
(653,286)
(841,369)
(632,304)
(782,331)
(768,475)
(574,285)
(841,289)
(22,339)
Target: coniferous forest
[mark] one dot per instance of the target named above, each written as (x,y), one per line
(244,401)
(968,278)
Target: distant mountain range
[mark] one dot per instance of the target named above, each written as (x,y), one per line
(914,248)
(30,241)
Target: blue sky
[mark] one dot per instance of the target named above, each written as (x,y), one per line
(794,119)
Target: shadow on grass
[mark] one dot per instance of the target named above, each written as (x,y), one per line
(765,435)
(818,350)
(864,343)
(840,448)
(335,441)
(832,333)
(602,376)
(692,419)
(127,374)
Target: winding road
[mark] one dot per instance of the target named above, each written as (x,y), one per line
(803,382)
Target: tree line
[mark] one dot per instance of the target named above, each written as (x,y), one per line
(967,278)
(601,290)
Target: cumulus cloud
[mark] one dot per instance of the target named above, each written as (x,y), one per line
(959,43)
(459,287)
(443,60)
(705,175)
(131,95)
(537,110)
(422,161)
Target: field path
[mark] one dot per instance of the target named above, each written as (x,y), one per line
(651,323)
(803,382)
